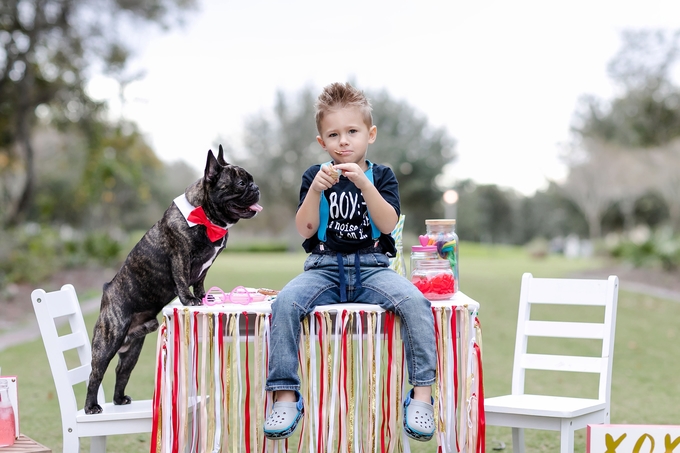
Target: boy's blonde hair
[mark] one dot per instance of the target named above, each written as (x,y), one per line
(340,95)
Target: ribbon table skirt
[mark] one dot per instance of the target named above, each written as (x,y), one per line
(212,368)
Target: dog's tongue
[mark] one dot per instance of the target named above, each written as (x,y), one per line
(256,207)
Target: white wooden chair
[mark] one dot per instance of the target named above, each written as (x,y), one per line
(520,409)
(114,419)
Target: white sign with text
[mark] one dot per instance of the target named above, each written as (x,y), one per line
(633,439)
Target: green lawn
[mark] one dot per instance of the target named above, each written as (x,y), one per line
(644,379)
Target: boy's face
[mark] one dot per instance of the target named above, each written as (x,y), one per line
(345,136)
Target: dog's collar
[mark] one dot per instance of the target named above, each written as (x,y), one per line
(185,208)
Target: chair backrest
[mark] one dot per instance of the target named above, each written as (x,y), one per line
(48,307)
(572,292)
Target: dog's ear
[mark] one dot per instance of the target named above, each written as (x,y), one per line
(212,167)
(220,157)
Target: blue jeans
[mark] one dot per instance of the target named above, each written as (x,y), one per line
(379,285)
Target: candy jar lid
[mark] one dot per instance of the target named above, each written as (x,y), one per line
(440,221)
(424,248)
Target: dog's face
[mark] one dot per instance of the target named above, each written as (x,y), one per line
(231,192)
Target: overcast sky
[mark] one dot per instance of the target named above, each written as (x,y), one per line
(503,77)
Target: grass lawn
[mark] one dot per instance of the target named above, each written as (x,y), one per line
(643,387)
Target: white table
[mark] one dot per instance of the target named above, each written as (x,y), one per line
(353,379)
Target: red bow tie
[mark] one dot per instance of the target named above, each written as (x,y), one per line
(214,232)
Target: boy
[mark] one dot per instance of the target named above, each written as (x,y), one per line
(347,211)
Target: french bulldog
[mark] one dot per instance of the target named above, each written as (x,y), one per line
(174,255)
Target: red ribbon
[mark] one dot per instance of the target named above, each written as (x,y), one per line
(481,416)
(247,414)
(220,343)
(213,231)
(160,364)
(389,331)
(175,384)
(454,336)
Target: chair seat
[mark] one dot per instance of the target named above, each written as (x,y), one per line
(111,412)
(542,405)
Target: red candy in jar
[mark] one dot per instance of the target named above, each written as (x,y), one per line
(432,276)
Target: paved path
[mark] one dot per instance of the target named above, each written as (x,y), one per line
(30,331)
(650,290)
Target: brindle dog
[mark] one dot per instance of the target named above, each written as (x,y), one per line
(170,257)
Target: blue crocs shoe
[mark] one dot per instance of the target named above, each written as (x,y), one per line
(284,418)
(418,418)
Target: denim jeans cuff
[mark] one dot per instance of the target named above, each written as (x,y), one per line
(276,388)
(422,383)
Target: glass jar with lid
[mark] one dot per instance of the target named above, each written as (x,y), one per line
(7,421)
(442,234)
(430,274)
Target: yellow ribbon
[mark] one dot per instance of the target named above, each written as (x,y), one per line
(229,415)
(350,384)
(204,395)
(235,379)
(306,369)
(372,389)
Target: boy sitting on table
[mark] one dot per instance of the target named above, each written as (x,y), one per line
(348,208)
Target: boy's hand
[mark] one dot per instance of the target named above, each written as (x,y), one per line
(354,173)
(325,178)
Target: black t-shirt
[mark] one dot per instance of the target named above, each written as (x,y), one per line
(349,227)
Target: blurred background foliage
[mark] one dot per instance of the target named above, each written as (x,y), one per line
(77,187)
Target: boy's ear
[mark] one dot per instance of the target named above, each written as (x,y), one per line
(321,142)
(372,133)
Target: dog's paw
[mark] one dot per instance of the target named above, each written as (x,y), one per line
(122,401)
(94,409)
(190,301)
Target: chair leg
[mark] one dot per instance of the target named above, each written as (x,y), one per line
(71,442)
(98,444)
(566,437)
(517,440)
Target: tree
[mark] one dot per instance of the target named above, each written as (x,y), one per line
(467,215)
(123,186)
(281,145)
(647,113)
(48,47)
(416,152)
(631,178)
(488,213)
(548,214)
(635,128)
(665,167)
(590,183)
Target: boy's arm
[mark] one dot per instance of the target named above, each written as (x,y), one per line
(307,216)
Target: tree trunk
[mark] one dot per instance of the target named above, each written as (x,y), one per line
(674,214)
(594,227)
(628,211)
(26,197)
